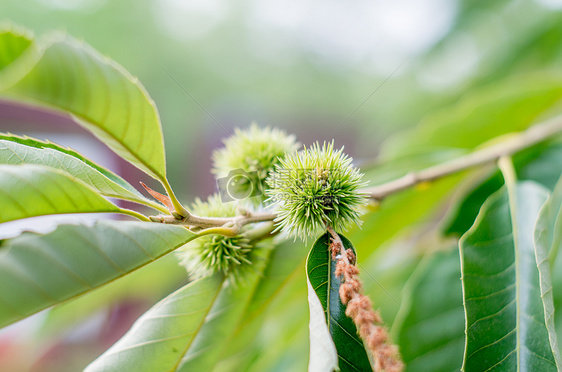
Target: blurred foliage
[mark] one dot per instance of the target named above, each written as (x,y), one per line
(539,163)
(240,68)
(431,321)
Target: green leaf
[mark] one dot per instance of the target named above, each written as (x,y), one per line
(148,284)
(14,44)
(189,330)
(505,317)
(321,274)
(67,75)
(548,239)
(224,316)
(484,114)
(24,150)
(430,324)
(38,271)
(290,335)
(159,338)
(286,259)
(282,290)
(36,190)
(539,163)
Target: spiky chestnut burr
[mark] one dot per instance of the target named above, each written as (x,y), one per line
(209,254)
(254,151)
(315,187)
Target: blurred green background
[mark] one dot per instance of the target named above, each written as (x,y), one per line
(357,71)
(301,65)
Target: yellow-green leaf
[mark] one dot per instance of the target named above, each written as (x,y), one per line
(61,73)
(24,150)
(36,190)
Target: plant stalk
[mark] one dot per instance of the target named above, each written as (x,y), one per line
(492,153)
(518,142)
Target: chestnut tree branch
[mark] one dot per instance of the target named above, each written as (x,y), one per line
(231,226)
(490,154)
(233,223)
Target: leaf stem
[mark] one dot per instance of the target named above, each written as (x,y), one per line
(254,235)
(508,170)
(135,214)
(177,205)
(150,204)
(158,207)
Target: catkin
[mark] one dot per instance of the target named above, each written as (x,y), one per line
(359,308)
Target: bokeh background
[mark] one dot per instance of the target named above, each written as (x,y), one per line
(355,71)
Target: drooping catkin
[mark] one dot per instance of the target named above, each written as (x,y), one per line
(359,308)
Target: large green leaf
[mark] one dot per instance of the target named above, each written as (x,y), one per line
(148,284)
(225,314)
(159,338)
(484,114)
(189,330)
(321,275)
(25,150)
(505,317)
(430,324)
(281,291)
(38,271)
(290,335)
(36,190)
(67,75)
(539,163)
(548,239)
(285,260)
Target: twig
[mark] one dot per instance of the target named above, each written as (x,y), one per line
(211,222)
(517,142)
